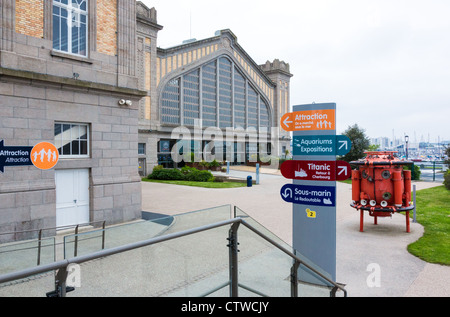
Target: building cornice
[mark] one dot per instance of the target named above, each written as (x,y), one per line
(67,82)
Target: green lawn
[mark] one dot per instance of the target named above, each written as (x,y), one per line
(198,184)
(433,212)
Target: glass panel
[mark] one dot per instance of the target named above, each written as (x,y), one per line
(123,234)
(209,86)
(263,268)
(83,132)
(83,39)
(193,265)
(266,264)
(170,104)
(239,100)
(64,33)
(252,108)
(56,29)
(191,102)
(174,268)
(264,116)
(75,148)
(23,255)
(75,36)
(66,149)
(225,93)
(34,286)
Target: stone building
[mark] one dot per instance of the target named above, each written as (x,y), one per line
(68,76)
(211,83)
(88,77)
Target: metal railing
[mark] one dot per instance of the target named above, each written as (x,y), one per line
(62,266)
(40,237)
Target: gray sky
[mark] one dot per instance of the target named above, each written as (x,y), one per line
(385,63)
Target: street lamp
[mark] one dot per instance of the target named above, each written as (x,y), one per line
(406,141)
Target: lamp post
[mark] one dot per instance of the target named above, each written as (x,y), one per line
(406,141)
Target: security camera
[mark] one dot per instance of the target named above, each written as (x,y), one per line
(122,102)
(128,102)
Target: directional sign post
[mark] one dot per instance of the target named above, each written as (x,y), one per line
(309,120)
(43,155)
(321,145)
(309,195)
(14,156)
(314,171)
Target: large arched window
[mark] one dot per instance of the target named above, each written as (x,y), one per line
(217,93)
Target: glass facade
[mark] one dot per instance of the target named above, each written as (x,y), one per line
(216,93)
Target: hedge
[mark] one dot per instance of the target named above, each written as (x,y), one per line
(188,174)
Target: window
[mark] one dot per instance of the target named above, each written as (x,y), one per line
(141,148)
(191,93)
(70,26)
(72,140)
(209,87)
(170,112)
(218,94)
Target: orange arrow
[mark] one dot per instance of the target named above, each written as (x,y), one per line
(287,122)
(309,120)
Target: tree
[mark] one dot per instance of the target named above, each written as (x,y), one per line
(360,143)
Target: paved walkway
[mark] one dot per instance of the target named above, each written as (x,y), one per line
(383,245)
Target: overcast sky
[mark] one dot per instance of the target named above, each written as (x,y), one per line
(385,63)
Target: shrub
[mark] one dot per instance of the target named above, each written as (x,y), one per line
(447,180)
(187,169)
(203,163)
(214,164)
(167,174)
(200,176)
(416,175)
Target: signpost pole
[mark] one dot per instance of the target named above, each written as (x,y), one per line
(314,227)
(314,171)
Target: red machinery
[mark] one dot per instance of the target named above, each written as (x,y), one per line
(381,186)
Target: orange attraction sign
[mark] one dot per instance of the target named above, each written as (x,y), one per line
(44,155)
(309,120)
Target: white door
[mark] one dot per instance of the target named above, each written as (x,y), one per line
(72,197)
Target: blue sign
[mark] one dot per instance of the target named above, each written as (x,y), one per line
(321,145)
(14,156)
(309,195)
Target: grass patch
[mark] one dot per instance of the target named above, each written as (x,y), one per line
(433,212)
(347,181)
(198,184)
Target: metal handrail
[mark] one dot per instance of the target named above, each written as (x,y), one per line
(62,265)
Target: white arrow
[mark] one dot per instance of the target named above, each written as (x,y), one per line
(286,122)
(344,143)
(343,170)
(286,194)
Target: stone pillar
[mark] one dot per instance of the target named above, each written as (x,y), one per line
(7,24)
